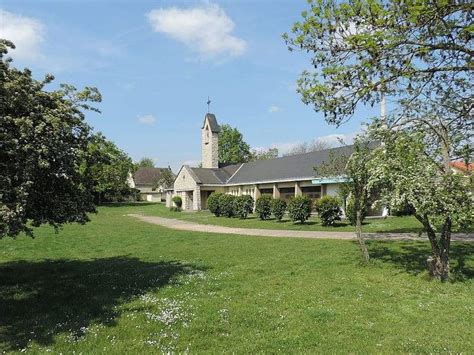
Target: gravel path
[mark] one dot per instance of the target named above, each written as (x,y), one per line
(207,228)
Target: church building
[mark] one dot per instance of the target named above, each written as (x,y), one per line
(282,177)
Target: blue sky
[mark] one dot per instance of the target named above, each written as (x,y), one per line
(156,62)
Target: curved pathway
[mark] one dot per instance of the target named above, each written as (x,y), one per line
(208,228)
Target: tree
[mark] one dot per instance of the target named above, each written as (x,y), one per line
(313,146)
(43,141)
(165,180)
(362,50)
(232,147)
(335,167)
(440,200)
(109,169)
(145,163)
(264,154)
(420,55)
(358,175)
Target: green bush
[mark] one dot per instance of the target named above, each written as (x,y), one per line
(351,213)
(227,205)
(328,210)
(175,209)
(213,203)
(299,208)
(243,206)
(278,208)
(263,206)
(178,201)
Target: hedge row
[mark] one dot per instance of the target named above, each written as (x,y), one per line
(229,205)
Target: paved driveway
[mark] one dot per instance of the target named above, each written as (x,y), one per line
(207,228)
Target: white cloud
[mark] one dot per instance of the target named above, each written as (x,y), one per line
(206,29)
(25,32)
(274,108)
(146,119)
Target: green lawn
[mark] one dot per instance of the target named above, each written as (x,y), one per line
(391,224)
(120,285)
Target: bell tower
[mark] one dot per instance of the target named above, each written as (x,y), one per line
(210,142)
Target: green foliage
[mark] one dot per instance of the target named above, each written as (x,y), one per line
(278,208)
(243,206)
(109,168)
(351,212)
(232,147)
(328,210)
(213,203)
(359,176)
(178,201)
(299,208)
(145,163)
(227,205)
(165,180)
(263,207)
(361,49)
(44,145)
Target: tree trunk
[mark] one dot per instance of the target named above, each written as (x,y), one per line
(363,247)
(438,262)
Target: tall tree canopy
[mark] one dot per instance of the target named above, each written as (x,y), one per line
(109,168)
(361,49)
(145,163)
(232,147)
(43,142)
(418,53)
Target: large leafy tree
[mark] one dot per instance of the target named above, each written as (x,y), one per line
(109,169)
(43,142)
(232,147)
(419,53)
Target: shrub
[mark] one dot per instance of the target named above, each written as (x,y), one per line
(328,210)
(175,209)
(227,205)
(243,206)
(351,212)
(263,206)
(299,208)
(278,208)
(178,201)
(213,203)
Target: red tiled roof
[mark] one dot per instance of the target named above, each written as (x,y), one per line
(460,165)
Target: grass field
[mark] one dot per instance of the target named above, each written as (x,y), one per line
(119,285)
(391,224)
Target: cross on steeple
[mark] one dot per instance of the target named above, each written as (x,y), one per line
(208,105)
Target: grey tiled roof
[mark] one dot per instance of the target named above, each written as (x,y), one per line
(293,167)
(215,176)
(212,122)
(147,176)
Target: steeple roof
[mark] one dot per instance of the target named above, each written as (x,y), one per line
(212,122)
